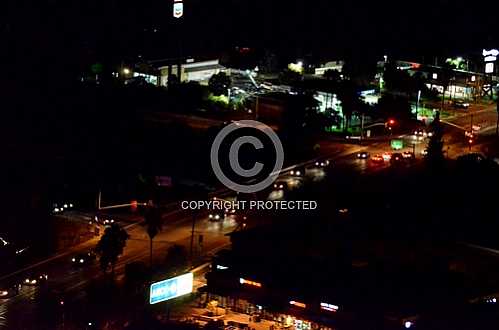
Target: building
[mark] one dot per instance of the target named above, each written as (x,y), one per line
(190,70)
(333,65)
(331,277)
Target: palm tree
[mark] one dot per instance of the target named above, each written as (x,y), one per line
(446,77)
(153,223)
(111,246)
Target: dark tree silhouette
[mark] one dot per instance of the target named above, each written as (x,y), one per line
(219,84)
(435,153)
(111,246)
(332,75)
(153,223)
(446,75)
(350,100)
(176,257)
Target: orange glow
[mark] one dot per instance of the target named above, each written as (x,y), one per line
(251,283)
(298,304)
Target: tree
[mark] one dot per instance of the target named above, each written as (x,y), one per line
(219,84)
(153,223)
(394,106)
(332,75)
(350,100)
(290,78)
(111,246)
(446,76)
(435,153)
(176,257)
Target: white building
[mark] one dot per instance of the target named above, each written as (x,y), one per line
(333,65)
(200,71)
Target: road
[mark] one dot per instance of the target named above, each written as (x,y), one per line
(20,311)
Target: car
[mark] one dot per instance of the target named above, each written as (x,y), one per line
(409,155)
(322,163)
(363,155)
(8,292)
(35,280)
(459,104)
(396,159)
(377,159)
(83,259)
(298,171)
(281,185)
(387,156)
(216,216)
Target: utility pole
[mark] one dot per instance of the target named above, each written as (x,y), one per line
(362,128)
(192,236)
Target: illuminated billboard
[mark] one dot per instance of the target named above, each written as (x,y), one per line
(178,9)
(171,288)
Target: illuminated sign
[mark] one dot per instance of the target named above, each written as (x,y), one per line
(490,59)
(329,307)
(492,52)
(171,288)
(397,144)
(489,67)
(250,283)
(298,304)
(178,9)
(220,267)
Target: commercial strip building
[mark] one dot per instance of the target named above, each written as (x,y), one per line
(158,72)
(332,278)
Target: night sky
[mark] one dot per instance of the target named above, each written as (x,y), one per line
(57,33)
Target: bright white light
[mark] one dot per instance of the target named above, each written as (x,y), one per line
(126,71)
(473,78)
(435,76)
(73,260)
(492,52)
(56,210)
(70,205)
(82,261)
(408,324)
(489,67)
(65,206)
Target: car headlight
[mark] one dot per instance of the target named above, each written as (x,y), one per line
(211,216)
(298,173)
(217,217)
(82,261)
(4,293)
(73,260)
(292,172)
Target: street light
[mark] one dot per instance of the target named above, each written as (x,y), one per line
(126,71)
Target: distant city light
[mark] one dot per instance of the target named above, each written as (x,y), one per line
(298,304)
(250,283)
(329,307)
(492,52)
(489,67)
